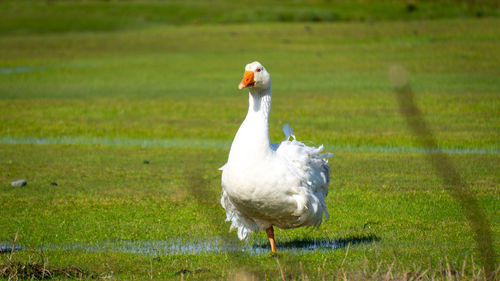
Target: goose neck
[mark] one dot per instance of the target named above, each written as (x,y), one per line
(252,139)
(259,103)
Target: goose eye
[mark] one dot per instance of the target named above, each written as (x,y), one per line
(258,69)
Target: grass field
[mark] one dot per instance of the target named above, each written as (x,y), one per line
(28,16)
(119,131)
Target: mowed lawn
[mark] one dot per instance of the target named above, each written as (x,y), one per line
(120,134)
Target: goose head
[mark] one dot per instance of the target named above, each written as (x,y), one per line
(255,77)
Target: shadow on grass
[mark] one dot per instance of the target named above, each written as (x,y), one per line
(321,244)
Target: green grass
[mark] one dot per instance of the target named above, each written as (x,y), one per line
(108,194)
(175,86)
(107,85)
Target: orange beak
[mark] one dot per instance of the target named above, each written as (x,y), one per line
(247,80)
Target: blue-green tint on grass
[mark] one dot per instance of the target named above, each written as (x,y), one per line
(20,69)
(188,143)
(216,245)
(36,68)
(221,144)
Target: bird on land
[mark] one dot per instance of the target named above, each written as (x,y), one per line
(265,185)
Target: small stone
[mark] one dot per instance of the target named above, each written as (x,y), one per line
(53,183)
(19,183)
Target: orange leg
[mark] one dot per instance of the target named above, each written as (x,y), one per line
(270,235)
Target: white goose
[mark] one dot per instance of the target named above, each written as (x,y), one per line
(264,184)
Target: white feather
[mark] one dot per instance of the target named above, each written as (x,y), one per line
(288,132)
